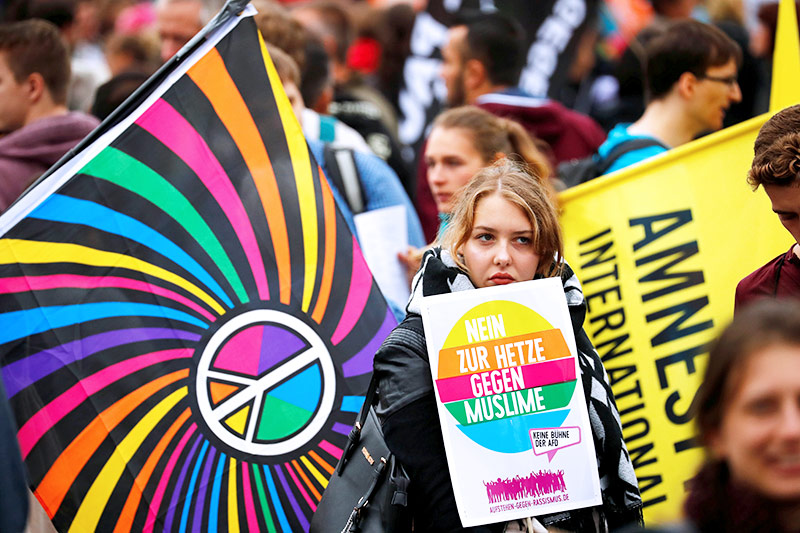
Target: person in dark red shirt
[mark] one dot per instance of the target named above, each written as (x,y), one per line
(776,167)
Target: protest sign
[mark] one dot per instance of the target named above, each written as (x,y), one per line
(383,234)
(516,432)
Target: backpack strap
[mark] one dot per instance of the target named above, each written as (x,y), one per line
(623,148)
(343,172)
(355,433)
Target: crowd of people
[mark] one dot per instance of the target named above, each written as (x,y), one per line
(480,195)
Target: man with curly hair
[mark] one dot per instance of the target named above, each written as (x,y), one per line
(776,167)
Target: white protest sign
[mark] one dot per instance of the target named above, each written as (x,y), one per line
(383,234)
(510,401)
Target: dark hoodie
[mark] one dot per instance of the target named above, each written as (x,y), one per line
(25,154)
(411,425)
(569,134)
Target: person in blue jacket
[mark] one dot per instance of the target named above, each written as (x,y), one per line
(691,79)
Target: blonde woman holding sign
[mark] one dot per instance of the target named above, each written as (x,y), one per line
(503,229)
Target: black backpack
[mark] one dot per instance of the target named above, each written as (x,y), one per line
(579,171)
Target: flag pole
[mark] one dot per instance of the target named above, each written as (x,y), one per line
(231,9)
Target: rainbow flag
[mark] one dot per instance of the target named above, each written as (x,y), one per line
(187,325)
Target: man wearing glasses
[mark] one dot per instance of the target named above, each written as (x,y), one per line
(691,82)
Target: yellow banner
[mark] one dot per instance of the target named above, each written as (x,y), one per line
(659,249)
(786,59)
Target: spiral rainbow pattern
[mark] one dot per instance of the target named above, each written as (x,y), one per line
(206,206)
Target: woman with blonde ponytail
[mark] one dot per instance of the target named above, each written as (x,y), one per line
(464,140)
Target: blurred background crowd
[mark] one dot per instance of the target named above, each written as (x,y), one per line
(351,51)
(372,74)
(120,39)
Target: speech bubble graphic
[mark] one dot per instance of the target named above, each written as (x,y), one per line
(550,440)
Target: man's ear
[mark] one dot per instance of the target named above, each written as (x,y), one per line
(474,74)
(687,85)
(35,87)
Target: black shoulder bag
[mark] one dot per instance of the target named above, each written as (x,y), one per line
(368,492)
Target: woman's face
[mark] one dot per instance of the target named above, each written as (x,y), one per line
(452,160)
(500,249)
(759,436)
